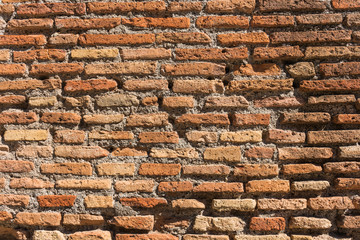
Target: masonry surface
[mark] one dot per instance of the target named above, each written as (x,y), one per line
(172,120)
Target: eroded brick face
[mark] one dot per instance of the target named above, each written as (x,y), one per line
(180,120)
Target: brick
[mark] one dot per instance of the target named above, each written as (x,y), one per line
(330,85)
(150,101)
(14,200)
(349,152)
(345,5)
(103,119)
(260,152)
(56,200)
(243,205)
(266,69)
(84,152)
(327,52)
(94,201)
(10,232)
(25,135)
(241,136)
(331,203)
(262,237)
(178,102)
(305,118)
(339,69)
(284,136)
(116,169)
(228,6)
(184,38)
(39,55)
(346,119)
(332,99)
(174,153)
(51,235)
(88,86)
(309,223)
(219,187)
(277,53)
(4,55)
(7,9)
(149,22)
(111,135)
(67,168)
(86,184)
(311,37)
(117,99)
(302,153)
(22,40)
(82,220)
(135,186)
(61,118)
(342,167)
(125,7)
(184,7)
(146,85)
(146,54)
(151,236)
(173,187)
(333,137)
(129,152)
(211,54)
(292,5)
(227,154)
(32,24)
(12,69)
(250,119)
(267,224)
(50,9)
(319,19)
(158,169)
(260,85)
(63,39)
(147,120)
(226,102)
(158,137)
(29,151)
(204,119)
(202,136)
(206,170)
(5,216)
(272,21)
(353,20)
(134,222)
(46,219)
(143,202)
(347,183)
(30,183)
(12,100)
(197,86)
(94,53)
(126,68)
(222,22)
(350,222)
(17,118)
(69,136)
(305,186)
(299,169)
(115,39)
(86,24)
(256,170)
(205,237)
(56,69)
(42,101)
(268,186)
(279,102)
(187,204)
(193,69)
(235,39)
(281,204)
(95,234)
(218,224)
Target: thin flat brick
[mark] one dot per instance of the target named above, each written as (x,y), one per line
(88,86)
(277,53)
(228,6)
(116,39)
(291,5)
(333,137)
(235,39)
(311,37)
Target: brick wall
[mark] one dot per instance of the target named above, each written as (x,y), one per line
(171,120)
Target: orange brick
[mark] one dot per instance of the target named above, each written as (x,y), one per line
(185,38)
(69,136)
(206,170)
(285,136)
(346,4)
(135,186)
(146,54)
(32,24)
(39,55)
(67,168)
(184,7)
(193,69)
(30,183)
(158,137)
(198,86)
(211,54)
(298,169)
(222,22)
(50,9)
(17,118)
(256,170)
(86,24)
(178,102)
(56,200)
(147,120)
(268,186)
(115,39)
(229,6)
(291,5)
(235,39)
(219,187)
(57,69)
(260,152)
(277,53)
(159,169)
(250,119)
(125,7)
(311,37)
(149,22)
(16,166)
(22,40)
(85,152)
(12,100)
(63,118)
(134,222)
(12,69)
(205,119)
(88,86)
(267,224)
(14,200)
(143,202)
(184,186)
(272,21)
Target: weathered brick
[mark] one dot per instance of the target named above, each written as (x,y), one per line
(10,232)
(67,168)
(30,183)
(261,85)
(218,224)
(82,220)
(187,204)
(279,102)
(149,22)
(349,152)
(94,53)
(134,222)
(260,152)
(332,99)
(243,205)
(32,24)
(115,39)
(95,234)
(284,136)
(5,216)
(130,152)
(94,201)
(103,119)
(198,86)
(12,69)
(46,219)
(178,102)
(346,119)
(219,187)
(203,119)
(268,186)
(211,54)
(342,167)
(145,85)
(56,200)
(228,6)
(94,184)
(39,55)
(171,187)
(111,135)
(50,9)
(42,101)
(57,69)
(29,151)
(147,120)
(256,170)
(73,102)
(51,235)
(250,119)
(235,39)
(294,153)
(305,118)
(222,22)
(86,24)
(267,224)
(193,69)
(339,69)
(143,202)
(127,68)
(291,5)
(150,101)
(311,37)
(69,136)
(14,200)
(350,222)
(63,39)
(265,69)
(125,7)
(159,169)
(174,153)
(272,21)
(281,204)
(299,169)
(331,203)
(135,186)
(61,118)
(321,52)
(117,99)
(263,237)
(184,7)
(17,118)
(7,9)
(150,236)
(158,137)
(85,86)
(309,223)
(347,184)
(227,154)
(226,102)
(85,152)
(12,100)
(146,54)
(319,19)
(301,70)
(116,169)
(22,40)
(185,38)
(241,136)
(346,4)
(333,137)
(277,53)
(305,186)
(206,170)
(25,135)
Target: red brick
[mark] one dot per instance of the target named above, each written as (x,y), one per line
(130,152)
(330,85)
(219,187)
(151,236)
(115,39)
(56,200)
(211,54)
(184,186)
(230,6)
(149,22)
(222,22)
(311,37)
(158,137)
(57,69)
(5,216)
(226,102)
(7,9)
(59,117)
(333,137)
(12,100)
(86,24)
(305,118)
(159,169)
(272,21)
(250,119)
(39,55)
(268,186)
(302,153)
(266,69)
(63,39)
(33,24)
(346,4)
(95,234)
(279,102)
(185,38)
(339,69)
(347,183)
(205,119)
(235,39)
(82,220)
(260,152)
(342,167)
(150,101)
(67,168)
(50,9)
(147,120)
(198,86)
(277,53)
(319,19)
(12,69)
(88,86)
(143,202)
(17,118)
(267,224)
(22,40)
(184,7)
(256,170)
(14,200)
(16,166)
(30,183)
(134,222)
(178,102)
(291,5)
(46,219)
(193,69)
(146,54)
(298,169)
(346,119)
(285,136)
(69,136)
(125,7)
